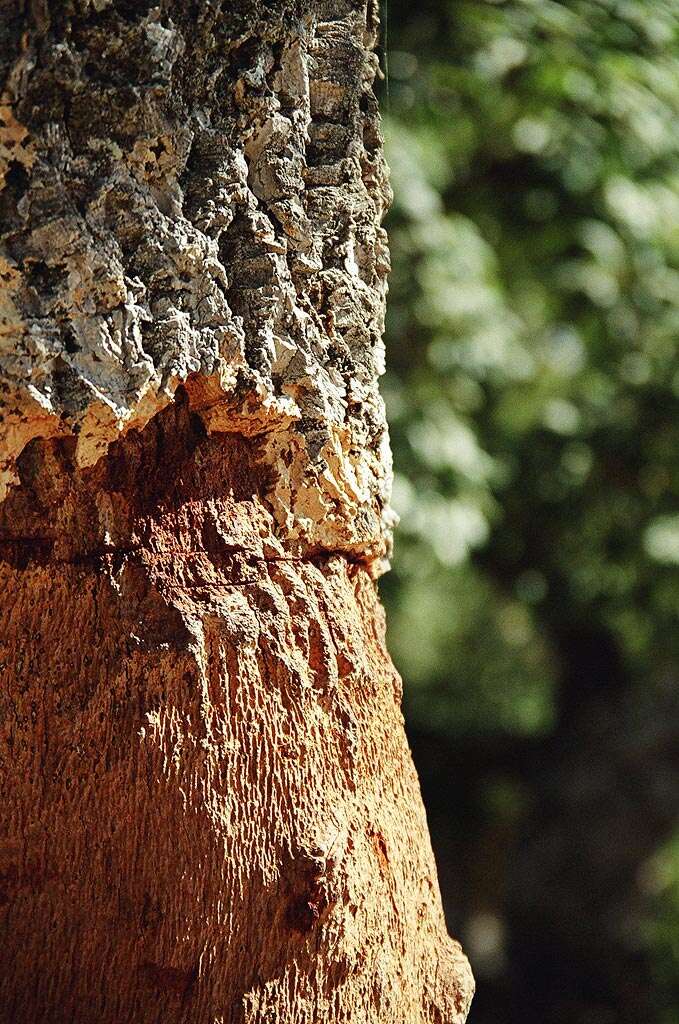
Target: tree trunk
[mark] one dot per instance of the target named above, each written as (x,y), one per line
(208,808)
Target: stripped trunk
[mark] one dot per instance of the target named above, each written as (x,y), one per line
(207,805)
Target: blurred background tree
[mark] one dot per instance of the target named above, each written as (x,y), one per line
(533,393)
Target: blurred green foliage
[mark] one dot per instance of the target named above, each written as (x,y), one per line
(533,382)
(661,928)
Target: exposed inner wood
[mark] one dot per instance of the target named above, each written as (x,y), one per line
(210,808)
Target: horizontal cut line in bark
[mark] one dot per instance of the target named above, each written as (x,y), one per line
(179,486)
(37,550)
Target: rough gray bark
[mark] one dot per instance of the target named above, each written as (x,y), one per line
(184,194)
(208,807)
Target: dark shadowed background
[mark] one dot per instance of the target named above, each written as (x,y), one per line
(533,395)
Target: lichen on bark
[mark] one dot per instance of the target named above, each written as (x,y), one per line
(209,806)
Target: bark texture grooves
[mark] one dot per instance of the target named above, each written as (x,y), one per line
(208,810)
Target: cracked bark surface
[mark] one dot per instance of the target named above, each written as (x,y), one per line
(208,808)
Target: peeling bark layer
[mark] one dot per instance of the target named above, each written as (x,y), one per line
(208,810)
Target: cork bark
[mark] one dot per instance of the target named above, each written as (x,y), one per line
(208,811)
